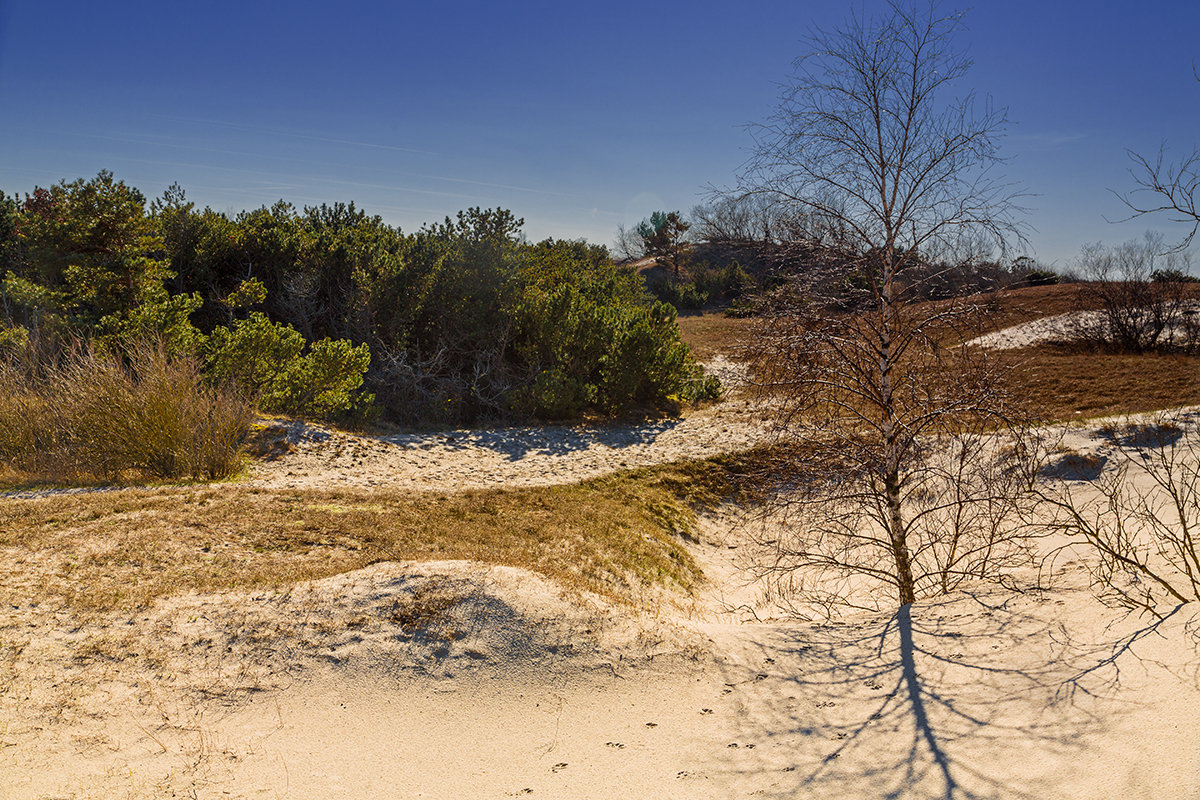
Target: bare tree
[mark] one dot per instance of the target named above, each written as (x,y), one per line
(628,246)
(866,143)
(1172,189)
(1165,187)
(1141,516)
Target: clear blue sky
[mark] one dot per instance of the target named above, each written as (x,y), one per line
(575,116)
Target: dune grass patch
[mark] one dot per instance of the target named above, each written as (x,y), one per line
(107,551)
(96,416)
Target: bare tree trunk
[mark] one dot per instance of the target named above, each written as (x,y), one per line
(904,574)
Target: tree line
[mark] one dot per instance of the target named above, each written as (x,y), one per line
(327,311)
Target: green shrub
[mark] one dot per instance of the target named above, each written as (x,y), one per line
(14,340)
(601,357)
(266,359)
(705,287)
(323,383)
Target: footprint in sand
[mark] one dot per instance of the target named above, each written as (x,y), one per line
(706,711)
(559,767)
(651,724)
(615,745)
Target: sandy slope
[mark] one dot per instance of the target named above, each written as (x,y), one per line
(986,693)
(459,680)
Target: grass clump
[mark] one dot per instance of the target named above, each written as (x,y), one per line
(93,415)
(97,552)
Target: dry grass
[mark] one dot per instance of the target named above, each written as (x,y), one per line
(1064,384)
(95,416)
(711,332)
(103,551)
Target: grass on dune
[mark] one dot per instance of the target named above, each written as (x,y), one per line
(1064,384)
(108,551)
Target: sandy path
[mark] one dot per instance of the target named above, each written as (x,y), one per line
(451,460)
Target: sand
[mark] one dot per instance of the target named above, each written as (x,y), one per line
(989,692)
(463,680)
(454,460)
(1058,329)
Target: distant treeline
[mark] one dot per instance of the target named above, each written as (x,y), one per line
(329,311)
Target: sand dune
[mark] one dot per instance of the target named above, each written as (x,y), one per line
(463,680)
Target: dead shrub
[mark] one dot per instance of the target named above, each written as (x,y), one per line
(98,415)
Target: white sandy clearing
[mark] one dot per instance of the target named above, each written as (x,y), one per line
(319,457)
(1056,329)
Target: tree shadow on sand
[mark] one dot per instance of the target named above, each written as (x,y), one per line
(979,697)
(553,440)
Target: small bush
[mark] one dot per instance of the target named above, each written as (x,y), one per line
(97,415)
(266,359)
(706,287)
(600,357)
(324,383)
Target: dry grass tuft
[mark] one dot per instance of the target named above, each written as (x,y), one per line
(97,416)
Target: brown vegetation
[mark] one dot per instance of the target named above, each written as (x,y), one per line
(107,550)
(1065,385)
(1061,383)
(93,415)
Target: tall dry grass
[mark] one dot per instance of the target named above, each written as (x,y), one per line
(95,415)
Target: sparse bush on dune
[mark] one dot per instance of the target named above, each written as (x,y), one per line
(1139,291)
(99,415)
(1139,516)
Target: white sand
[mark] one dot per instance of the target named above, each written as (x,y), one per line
(1059,328)
(360,686)
(453,460)
(986,693)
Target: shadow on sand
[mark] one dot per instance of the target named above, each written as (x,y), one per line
(553,440)
(981,697)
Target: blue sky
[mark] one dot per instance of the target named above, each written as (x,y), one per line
(576,117)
